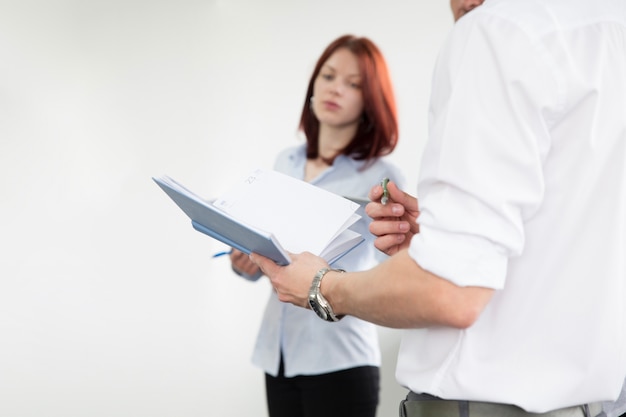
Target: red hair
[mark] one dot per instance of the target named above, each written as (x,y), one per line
(377,135)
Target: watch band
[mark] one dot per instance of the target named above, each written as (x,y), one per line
(317,302)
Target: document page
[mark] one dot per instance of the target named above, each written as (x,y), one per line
(301,216)
(218,224)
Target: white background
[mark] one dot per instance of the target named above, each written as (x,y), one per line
(110,304)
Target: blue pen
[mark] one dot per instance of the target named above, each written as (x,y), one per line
(217,255)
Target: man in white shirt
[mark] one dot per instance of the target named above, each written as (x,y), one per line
(513,292)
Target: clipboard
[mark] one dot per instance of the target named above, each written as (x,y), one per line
(248,217)
(217,224)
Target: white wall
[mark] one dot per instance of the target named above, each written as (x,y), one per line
(110,304)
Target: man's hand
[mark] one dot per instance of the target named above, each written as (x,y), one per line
(291,282)
(393,223)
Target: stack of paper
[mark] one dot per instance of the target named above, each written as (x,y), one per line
(271,214)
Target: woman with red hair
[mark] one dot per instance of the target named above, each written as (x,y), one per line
(314,367)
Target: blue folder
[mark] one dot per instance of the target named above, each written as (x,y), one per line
(213,222)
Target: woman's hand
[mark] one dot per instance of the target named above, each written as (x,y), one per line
(242,263)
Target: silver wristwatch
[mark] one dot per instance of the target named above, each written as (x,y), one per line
(317,302)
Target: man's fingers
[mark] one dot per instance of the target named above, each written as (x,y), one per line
(376,210)
(406,200)
(389,227)
(389,244)
(268,266)
(375,193)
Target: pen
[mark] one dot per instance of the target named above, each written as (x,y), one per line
(385,196)
(218,254)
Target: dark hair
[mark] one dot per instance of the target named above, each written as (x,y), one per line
(377,135)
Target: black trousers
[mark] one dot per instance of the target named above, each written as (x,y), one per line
(348,393)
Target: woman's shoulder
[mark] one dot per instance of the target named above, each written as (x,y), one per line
(383,168)
(292,155)
(290,159)
(384,163)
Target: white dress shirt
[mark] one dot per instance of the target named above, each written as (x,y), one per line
(523,189)
(311,346)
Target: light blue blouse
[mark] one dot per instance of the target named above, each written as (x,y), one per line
(311,346)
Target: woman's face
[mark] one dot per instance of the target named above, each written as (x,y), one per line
(337,96)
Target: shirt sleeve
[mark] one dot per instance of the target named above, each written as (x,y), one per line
(481,175)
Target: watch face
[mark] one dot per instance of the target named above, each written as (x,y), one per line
(315,306)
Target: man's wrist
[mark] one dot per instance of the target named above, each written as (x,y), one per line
(328,284)
(318,303)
